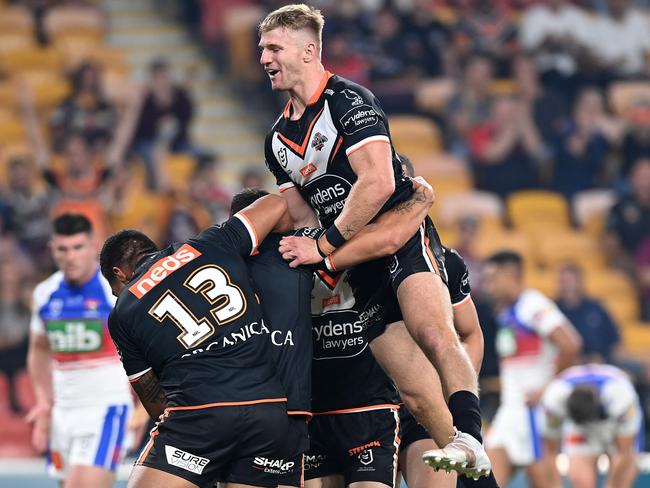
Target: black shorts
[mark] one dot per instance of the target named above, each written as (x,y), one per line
(412,431)
(298,444)
(375,283)
(239,444)
(360,446)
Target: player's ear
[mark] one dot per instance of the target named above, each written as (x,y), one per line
(310,52)
(119,274)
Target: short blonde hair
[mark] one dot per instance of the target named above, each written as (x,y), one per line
(297,16)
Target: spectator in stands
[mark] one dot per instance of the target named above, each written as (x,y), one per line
(393,54)
(628,222)
(548,109)
(206,188)
(343,61)
(14,320)
(506,149)
(86,111)
(583,145)
(636,144)
(600,335)
(158,122)
(30,209)
(468,233)
(252,177)
(470,105)
(487,27)
(554,32)
(642,260)
(620,41)
(77,181)
(435,39)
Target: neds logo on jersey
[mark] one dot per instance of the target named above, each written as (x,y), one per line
(163,268)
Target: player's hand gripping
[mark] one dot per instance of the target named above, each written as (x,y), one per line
(40,415)
(299,250)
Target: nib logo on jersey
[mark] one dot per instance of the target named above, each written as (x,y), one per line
(338,334)
(327,194)
(273,466)
(185,460)
(70,336)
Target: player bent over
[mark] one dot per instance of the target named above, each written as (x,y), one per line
(196,349)
(535,341)
(83,401)
(330,152)
(593,410)
(284,295)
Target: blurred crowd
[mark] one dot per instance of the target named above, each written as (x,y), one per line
(77,135)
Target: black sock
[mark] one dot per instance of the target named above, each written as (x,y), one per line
(465,482)
(466,413)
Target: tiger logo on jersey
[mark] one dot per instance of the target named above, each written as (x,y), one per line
(318,141)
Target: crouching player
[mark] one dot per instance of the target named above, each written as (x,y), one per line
(593,410)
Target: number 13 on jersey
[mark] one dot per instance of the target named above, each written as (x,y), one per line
(214,285)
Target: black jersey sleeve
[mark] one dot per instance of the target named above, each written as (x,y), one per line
(458,276)
(357,116)
(237,233)
(275,163)
(130,354)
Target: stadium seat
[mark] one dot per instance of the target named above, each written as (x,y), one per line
(36,59)
(636,338)
(11,41)
(622,309)
(8,98)
(64,21)
(431,95)
(606,283)
(533,211)
(568,247)
(11,131)
(541,280)
(591,204)
(490,241)
(179,169)
(503,87)
(483,205)
(47,88)
(414,135)
(78,50)
(16,19)
(623,95)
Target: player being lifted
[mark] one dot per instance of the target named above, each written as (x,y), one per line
(330,152)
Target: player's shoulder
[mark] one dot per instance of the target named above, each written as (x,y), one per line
(344,91)
(453,259)
(534,298)
(48,286)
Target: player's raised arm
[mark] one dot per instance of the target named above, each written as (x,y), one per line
(263,216)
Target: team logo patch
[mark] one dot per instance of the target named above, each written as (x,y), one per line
(185,460)
(318,141)
(366,457)
(354,96)
(163,268)
(305,171)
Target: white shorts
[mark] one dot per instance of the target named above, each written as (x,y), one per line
(598,438)
(89,436)
(517,429)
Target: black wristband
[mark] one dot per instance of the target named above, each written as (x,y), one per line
(334,237)
(320,251)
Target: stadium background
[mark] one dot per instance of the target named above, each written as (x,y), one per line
(531,136)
